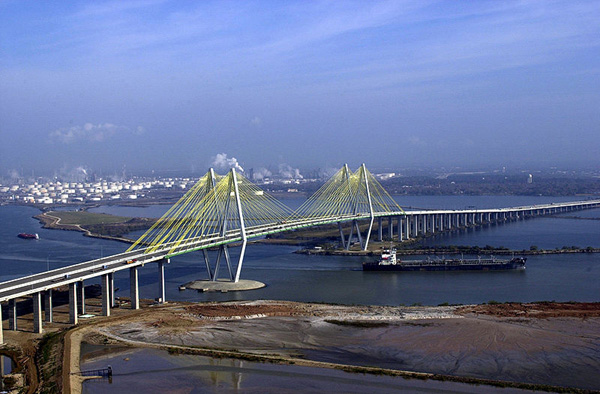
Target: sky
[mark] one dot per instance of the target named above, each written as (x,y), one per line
(183,85)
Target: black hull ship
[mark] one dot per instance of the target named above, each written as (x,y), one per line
(388,262)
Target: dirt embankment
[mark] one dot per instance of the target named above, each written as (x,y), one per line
(539,310)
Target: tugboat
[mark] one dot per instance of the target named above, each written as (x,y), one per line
(389,262)
(28,236)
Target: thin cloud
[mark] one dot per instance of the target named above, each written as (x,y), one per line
(90,132)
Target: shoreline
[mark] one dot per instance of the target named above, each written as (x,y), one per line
(53,223)
(412,252)
(49,221)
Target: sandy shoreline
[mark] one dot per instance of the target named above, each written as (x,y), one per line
(482,343)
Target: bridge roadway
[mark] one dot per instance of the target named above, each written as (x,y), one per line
(415,222)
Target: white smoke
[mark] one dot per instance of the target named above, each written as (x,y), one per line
(261,174)
(77,174)
(81,170)
(287,172)
(222,162)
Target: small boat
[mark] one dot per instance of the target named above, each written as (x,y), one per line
(28,236)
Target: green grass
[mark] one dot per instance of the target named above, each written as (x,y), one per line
(87,218)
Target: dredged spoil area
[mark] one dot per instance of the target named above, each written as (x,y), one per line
(538,344)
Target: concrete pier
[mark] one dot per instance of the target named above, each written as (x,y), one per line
(223,285)
(111,284)
(161,279)
(134,293)
(37,313)
(380,229)
(48,307)
(12,315)
(105,285)
(1,334)
(73,303)
(81,298)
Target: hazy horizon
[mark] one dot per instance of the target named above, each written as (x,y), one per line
(165,85)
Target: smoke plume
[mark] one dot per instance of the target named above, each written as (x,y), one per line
(222,162)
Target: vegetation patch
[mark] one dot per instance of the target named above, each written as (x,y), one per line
(49,356)
(358,323)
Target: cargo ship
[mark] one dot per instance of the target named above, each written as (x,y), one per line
(28,236)
(389,262)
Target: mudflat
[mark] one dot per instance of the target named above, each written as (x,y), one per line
(545,343)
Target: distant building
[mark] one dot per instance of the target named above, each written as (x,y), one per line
(386,175)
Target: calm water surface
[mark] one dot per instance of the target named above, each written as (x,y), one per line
(151,370)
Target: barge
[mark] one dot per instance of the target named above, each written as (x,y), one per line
(389,262)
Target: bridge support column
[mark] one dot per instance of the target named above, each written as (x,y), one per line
(48,306)
(358,234)
(1,340)
(37,313)
(81,292)
(206,261)
(12,315)
(380,229)
(390,228)
(133,288)
(400,229)
(73,303)
(111,283)
(161,280)
(238,202)
(105,284)
(342,236)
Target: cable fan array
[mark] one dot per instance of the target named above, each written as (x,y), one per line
(210,207)
(347,193)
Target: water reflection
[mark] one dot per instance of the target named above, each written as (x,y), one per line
(152,370)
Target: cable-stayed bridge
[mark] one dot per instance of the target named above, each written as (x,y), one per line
(222,210)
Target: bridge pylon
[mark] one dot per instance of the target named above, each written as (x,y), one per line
(216,207)
(350,197)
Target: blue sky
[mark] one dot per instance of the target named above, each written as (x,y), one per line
(171,84)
